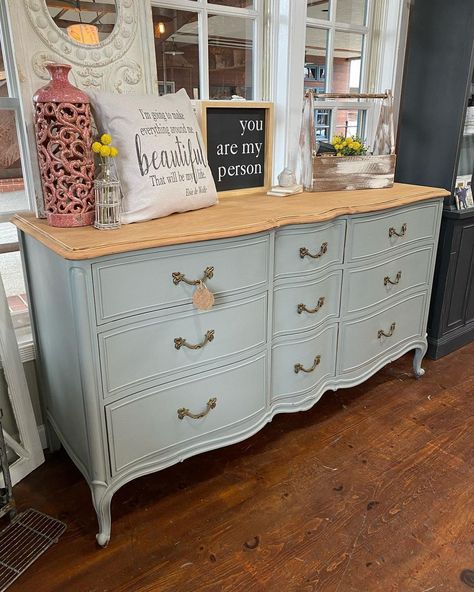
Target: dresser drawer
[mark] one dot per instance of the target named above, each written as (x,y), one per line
(306,305)
(373,284)
(130,285)
(385,233)
(363,340)
(307,249)
(134,355)
(301,365)
(149,425)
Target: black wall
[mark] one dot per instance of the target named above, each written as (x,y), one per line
(439,61)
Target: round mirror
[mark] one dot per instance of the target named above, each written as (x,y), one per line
(87,22)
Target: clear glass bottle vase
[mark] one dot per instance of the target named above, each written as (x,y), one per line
(108,196)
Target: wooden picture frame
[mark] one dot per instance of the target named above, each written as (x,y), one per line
(238,136)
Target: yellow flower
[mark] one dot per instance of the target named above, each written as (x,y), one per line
(106,139)
(113,151)
(336,140)
(96,146)
(337,146)
(356,145)
(352,145)
(105,151)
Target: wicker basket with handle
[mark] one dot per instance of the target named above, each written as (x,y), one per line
(336,173)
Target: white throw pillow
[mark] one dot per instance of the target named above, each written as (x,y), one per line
(162,163)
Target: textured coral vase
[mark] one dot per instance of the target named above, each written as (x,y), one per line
(63,140)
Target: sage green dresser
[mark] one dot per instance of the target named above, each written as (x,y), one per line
(312,293)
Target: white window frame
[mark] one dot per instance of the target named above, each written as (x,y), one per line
(21,320)
(13,103)
(204,9)
(332,27)
(384,56)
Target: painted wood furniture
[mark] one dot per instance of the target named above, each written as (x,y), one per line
(443,35)
(313,292)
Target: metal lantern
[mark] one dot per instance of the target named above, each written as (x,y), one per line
(108,197)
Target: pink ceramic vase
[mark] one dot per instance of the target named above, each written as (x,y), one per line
(63,141)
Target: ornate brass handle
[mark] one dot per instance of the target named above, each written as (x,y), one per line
(382,333)
(302,307)
(387,280)
(300,368)
(183,412)
(180,342)
(393,232)
(180,277)
(305,252)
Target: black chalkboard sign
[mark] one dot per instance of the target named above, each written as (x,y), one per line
(238,141)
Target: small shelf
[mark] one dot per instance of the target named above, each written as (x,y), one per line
(455,214)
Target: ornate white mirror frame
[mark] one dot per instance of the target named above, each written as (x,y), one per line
(114,64)
(111,49)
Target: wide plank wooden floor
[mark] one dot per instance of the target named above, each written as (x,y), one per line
(370,491)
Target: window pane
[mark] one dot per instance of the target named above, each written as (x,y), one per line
(351,122)
(234,3)
(230,57)
(12,191)
(3,75)
(322,124)
(318,9)
(177,50)
(351,11)
(315,59)
(11,270)
(347,62)
(12,277)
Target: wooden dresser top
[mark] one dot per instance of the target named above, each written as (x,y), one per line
(231,217)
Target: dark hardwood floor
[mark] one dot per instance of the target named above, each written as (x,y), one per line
(370,491)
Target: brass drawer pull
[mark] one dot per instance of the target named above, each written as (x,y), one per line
(387,280)
(393,232)
(180,277)
(180,342)
(299,367)
(305,252)
(183,412)
(302,307)
(382,333)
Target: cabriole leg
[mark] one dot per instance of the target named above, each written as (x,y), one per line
(102,499)
(419,355)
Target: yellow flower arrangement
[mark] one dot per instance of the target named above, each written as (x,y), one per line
(351,146)
(104,148)
(106,139)
(107,191)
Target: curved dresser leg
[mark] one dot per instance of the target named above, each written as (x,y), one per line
(102,499)
(419,355)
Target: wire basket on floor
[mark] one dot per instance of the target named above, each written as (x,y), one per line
(27,537)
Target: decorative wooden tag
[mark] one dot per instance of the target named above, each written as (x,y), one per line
(203,298)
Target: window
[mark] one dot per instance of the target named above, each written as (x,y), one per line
(337,34)
(208,48)
(14,177)
(322,123)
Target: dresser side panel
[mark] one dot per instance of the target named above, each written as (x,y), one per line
(57,351)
